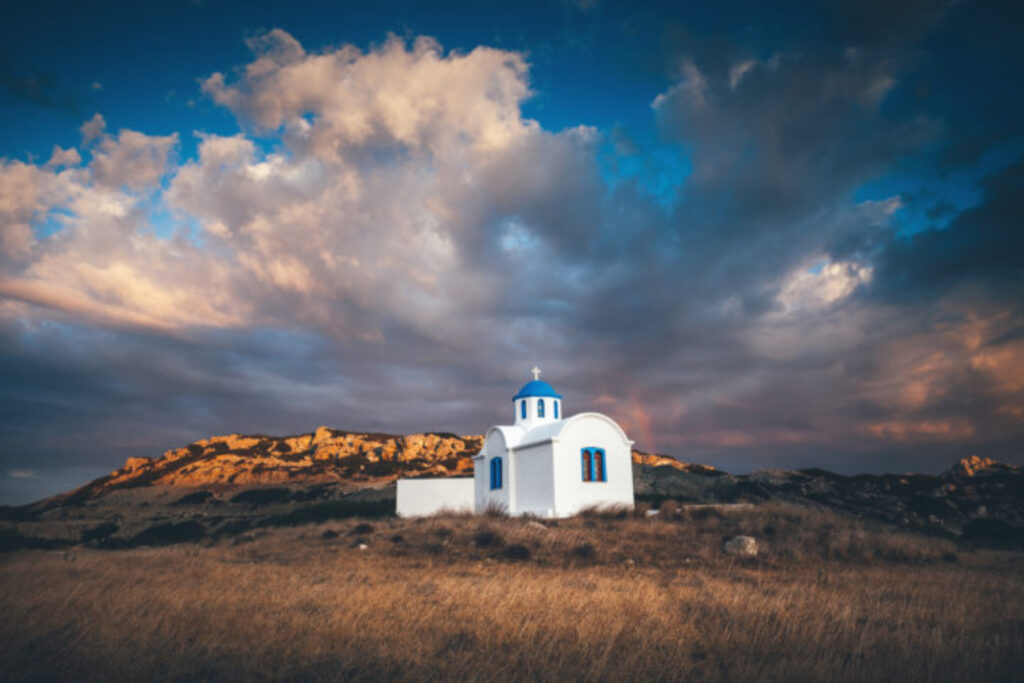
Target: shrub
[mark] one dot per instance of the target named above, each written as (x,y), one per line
(97,532)
(361,529)
(169,533)
(493,509)
(380,469)
(11,540)
(606,512)
(584,552)
(516,551)
(640,510)
(261,496)
(487,538)
(337,509)
(994,533)
(195,498)
(235,526)
(17,514)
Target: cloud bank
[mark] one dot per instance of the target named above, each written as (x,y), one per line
(388,243)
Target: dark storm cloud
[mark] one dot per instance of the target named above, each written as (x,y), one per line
(39,88)
(983,245)
(779,145)
(756,314)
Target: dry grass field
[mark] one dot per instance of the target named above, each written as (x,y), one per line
(461,598)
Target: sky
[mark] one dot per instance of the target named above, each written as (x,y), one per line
(758,235)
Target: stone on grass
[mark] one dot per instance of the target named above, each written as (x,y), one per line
(741,546)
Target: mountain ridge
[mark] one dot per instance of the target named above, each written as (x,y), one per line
(234,484)
(325,455)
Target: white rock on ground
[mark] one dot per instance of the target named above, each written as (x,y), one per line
(742,546)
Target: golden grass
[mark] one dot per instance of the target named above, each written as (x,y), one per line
(438,600)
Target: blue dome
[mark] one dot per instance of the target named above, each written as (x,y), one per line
(536,388)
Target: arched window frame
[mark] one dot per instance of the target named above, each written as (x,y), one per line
(496,474)
(540,407)
(594,463)
(522,409)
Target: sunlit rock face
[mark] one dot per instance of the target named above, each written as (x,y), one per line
(326,455)
(973,465)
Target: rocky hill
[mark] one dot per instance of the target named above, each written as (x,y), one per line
(352,460)
(977,498)
(236,485)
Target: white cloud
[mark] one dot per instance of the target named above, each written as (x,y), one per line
(692,88)
(739,70)
(418,98)
(395,164)
(27,192)
(132,159)
(822,285)
(64,157)
(93,128)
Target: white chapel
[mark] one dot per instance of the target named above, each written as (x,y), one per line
(544,464)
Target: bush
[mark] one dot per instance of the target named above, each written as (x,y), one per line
(487,538)
(169,533)
(337,509)
(606,512)
(516,551)
(361,529)
(11,540)
(235,526)
(584,552)
(493,509)
(994,533)
(195,498)
(261,496)
(97,532)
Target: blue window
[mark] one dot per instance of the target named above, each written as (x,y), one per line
(522,408)
(593,464)
(495,473)
(540,407)
(555,403)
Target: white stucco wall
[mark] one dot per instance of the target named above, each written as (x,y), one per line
(423,497)
(542,471)
(494,447)
(572,494)
(534,486)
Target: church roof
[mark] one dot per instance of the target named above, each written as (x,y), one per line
(536,388)
(550,430)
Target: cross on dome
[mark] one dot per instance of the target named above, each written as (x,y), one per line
(536,373)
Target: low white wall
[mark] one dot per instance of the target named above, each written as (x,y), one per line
(423,497)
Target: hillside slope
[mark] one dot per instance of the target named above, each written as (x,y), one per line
(225,484)
(326,456)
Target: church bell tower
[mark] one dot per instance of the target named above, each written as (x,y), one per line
(536,403)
